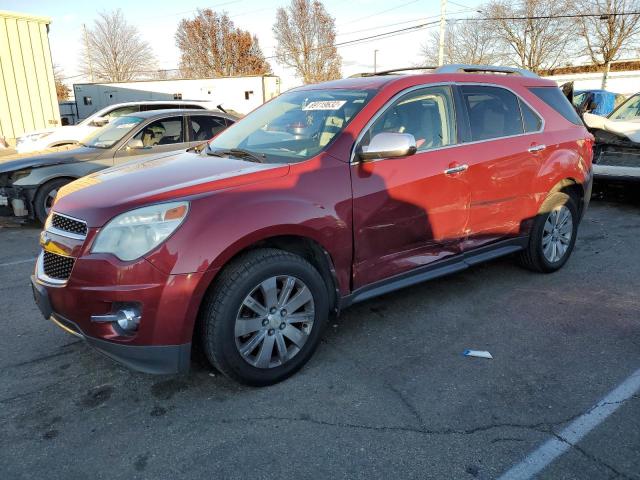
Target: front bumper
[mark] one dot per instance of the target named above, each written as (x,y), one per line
(156,359)
(618,173)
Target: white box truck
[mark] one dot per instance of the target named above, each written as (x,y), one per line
(239,94)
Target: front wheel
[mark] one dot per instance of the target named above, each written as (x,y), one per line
(553,235)
(264,317)
(46,195)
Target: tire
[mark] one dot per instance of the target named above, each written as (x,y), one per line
(225,317)
(557,211)
(44,197)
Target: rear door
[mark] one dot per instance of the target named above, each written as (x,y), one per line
(407,211)
(503,152)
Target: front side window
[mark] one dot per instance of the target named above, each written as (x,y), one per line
(493,112)
(427,114)
(294,126)
(629,110)
(166,131)
(110,134)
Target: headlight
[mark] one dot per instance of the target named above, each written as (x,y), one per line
(132,234)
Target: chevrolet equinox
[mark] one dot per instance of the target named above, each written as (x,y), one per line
(327,195)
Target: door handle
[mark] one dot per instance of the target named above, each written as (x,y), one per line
(536,148)
(458,169)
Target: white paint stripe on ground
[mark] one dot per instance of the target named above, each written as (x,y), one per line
(536,461)
(18,262)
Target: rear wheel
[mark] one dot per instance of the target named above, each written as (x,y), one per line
(263,319)
(43,201)
(553,235)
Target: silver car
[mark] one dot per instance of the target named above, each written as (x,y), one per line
(30,182)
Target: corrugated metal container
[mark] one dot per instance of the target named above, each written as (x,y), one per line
(27,90)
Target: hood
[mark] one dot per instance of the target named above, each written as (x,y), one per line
(98,197)
(66,132)
(38,132)
(50,156)
(629,129)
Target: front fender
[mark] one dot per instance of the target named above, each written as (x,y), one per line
(39,175)
(313,204)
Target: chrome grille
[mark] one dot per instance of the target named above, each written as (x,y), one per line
(67,224)
(57,266)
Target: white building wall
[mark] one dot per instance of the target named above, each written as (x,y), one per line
(241,94)
(625,83)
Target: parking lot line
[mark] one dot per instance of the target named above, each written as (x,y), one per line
(18,262)
(536,461)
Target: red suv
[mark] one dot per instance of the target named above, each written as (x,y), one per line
(328,195)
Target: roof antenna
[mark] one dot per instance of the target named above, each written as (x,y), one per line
(219,107)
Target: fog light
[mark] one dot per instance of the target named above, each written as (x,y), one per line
(127,318)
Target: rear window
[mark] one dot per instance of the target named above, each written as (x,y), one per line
(553,97)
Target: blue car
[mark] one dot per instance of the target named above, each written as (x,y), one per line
(597,102)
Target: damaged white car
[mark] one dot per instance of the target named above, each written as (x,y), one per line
(617,147)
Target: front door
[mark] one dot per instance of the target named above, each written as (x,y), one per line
(407,211)
(163,135)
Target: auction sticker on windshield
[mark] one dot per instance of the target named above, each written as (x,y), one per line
(325,105)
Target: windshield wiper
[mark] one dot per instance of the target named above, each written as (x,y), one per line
(240,153)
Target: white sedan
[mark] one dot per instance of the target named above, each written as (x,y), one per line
(54,137)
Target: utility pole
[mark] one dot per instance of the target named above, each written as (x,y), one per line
(443,13)
(375,61)
(88,54)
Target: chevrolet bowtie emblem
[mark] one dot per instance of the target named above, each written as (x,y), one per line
(44,239)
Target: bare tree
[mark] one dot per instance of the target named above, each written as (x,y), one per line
(211,45)
(306,41)
(612,33)
(534,37)
(114,50)
(470,42)
(62,90)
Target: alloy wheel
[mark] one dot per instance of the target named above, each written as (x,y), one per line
(49,199)
(274,321)
(557,233)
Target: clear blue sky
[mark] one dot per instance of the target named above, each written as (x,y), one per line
(157,21)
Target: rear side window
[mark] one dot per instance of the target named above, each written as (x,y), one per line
(532,122)
(553,97)
(204,127)
(493,112)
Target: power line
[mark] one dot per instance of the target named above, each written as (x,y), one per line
(548,17)
(400,23)
(380,12)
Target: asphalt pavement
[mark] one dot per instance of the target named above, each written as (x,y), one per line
(388,394)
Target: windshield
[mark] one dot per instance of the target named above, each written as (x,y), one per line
(294,126)
(578,99)
(630,110)
(111,133)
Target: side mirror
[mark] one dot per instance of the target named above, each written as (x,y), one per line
(388,145)
(591,106)
(99,121)
(135,144)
